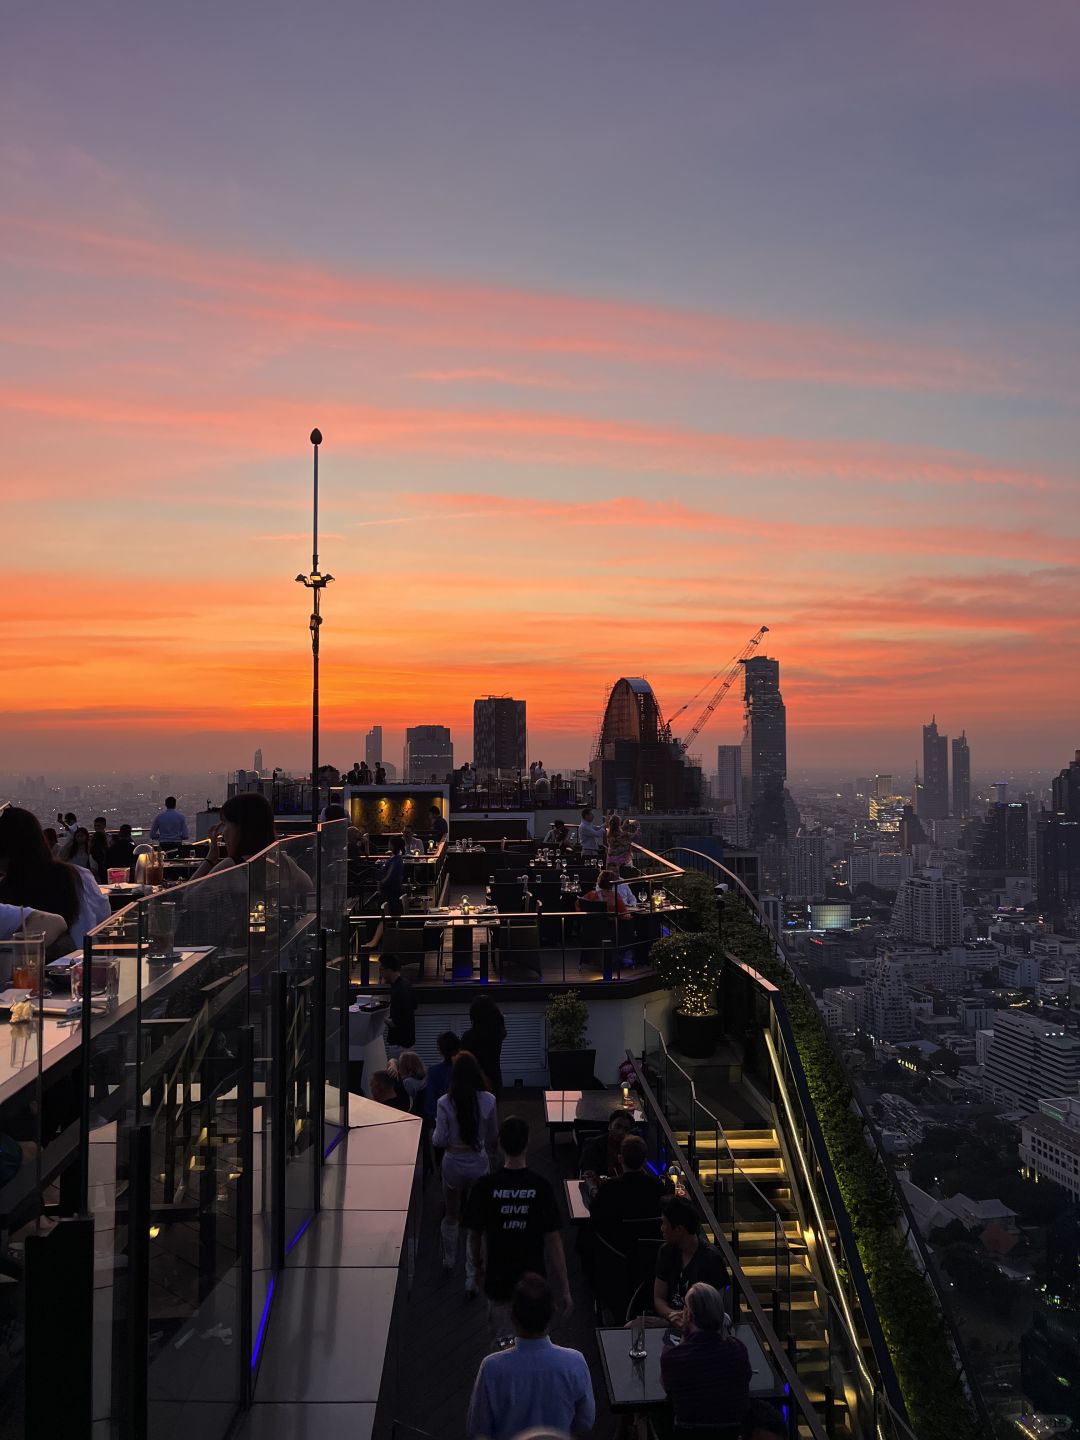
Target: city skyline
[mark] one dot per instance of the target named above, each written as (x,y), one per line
(737,332)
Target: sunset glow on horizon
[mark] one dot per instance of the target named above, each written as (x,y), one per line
(605,381)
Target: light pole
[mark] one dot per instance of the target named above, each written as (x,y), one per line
(316,583)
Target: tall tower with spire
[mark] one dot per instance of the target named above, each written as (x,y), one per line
(961,777)
(934,794)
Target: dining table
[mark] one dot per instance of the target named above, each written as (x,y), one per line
(463,925)
(564,1108)
(634,1385)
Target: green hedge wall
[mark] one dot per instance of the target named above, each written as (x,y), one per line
(913,1328)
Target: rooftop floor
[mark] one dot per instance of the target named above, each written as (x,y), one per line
(440,1338)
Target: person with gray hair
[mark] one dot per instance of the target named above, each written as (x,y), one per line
(707,1377)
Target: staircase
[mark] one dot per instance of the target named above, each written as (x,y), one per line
(762,1198)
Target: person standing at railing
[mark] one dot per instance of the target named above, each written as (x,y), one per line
(620,841)
(590,835)
(707,1377)
(170,827)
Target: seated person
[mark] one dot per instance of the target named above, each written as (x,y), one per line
(602,1156)
(685,1258)
(387,1089)
(635,1194)
(557,837)
(605,890)
(411,1071)
(707,1377)
(16,920)
(412,843)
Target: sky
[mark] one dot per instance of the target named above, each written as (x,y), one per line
(629,328)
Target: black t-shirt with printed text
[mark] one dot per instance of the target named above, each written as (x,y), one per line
(513,1210)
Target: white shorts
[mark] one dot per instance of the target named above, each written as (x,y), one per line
(460,1168)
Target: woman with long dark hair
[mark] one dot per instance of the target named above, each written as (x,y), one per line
(246,828)
(484,1039)
(467,1130)
(31,876)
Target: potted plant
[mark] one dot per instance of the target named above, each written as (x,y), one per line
(691,966)
(570,1063)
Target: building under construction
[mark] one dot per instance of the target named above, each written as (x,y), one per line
(637,765)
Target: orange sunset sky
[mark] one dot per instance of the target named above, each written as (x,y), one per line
(626,331)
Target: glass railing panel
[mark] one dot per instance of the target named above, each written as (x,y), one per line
(333,920)
(301,1028)
(33,1121)
(192,1093)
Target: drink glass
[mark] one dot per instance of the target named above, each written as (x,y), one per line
(117,874)
(638,1350)
(161,923)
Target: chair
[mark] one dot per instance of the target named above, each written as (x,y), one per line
(520,942)
(408,941)
(507,897)
(611,1283)
(596,929)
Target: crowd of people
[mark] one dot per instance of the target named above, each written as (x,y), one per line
(514,1255)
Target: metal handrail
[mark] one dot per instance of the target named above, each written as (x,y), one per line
(764,1327)
(720,1130)
(911,1231)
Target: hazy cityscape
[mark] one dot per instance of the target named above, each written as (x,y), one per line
(540,743)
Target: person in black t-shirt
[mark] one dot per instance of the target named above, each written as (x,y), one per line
(684,1259)
(635,1194)
(513,1225)
(401,1017)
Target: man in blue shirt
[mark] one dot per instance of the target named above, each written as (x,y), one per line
(170,826)
(535,1383)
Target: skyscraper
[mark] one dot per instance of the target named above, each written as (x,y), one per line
(934,795)
(373,746)
(807,869)
(929,910)
(764,746)
(258,762)
(961,778)
(499,740)
(429,753)
(729,777)
(1058,841)
(1001,847)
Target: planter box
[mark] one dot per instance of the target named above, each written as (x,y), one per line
(571,1069)
(696,1035)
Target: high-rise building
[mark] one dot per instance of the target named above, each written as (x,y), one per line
(882,788)
(764,748)
(429,753)
(1030,1059)
(258,762)
(888,1004)
(499,743)
(1001,847)
(1066,790)
(807,870)
(961,777)
(933,797)
(1058,844)
(373,746)
(929,910)
(729,778)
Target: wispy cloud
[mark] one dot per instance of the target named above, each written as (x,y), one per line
(294,296)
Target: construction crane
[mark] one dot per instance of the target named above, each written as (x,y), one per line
(725,685)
